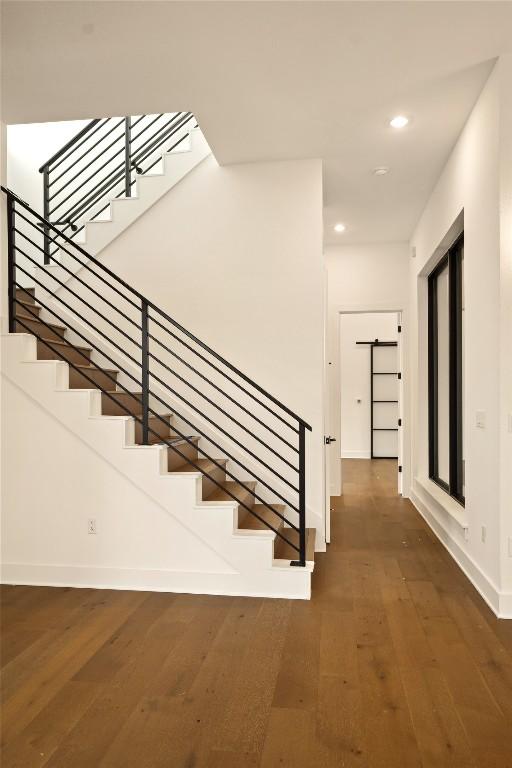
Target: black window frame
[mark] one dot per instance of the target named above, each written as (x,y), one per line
(452,260)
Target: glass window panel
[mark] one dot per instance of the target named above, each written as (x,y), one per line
(443,378)
(463,358)
(446,372)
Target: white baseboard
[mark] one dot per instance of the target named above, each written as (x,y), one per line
(355,455)
(500,603)
(274,582)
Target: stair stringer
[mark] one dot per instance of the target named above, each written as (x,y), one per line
(237,562)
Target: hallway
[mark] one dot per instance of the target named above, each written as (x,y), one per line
(395,662)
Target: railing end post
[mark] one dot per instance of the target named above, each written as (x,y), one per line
(145,371)
(11,262)
(302,495)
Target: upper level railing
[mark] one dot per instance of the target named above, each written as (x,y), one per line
(158,359)
(101,162)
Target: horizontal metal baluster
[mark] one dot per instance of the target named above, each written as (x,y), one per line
(91,162)
(98,196)
(229,456)
(225,413)
(71,309)
(86,131)
(146,150)
(85,265)
(138,120)
(86,340)
(185,136)
(55,349)
(77,296)
(221,429)
(146,127)
(79,279)
(85,181)
(161,135)
(223,374)
(221,391)
(87,151)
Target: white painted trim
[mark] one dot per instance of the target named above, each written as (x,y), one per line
(444,500)
(355,455)
(500,603)
(85,577)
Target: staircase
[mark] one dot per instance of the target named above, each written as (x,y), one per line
(192,408)
(112,171)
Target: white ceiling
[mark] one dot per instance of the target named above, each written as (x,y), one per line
(273,80)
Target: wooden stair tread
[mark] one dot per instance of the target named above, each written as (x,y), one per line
(64,343)
(121,392)
(203,465)
(251,523)
(34,319)
(30,304)
(220,494)
(171,439)
(95,368)
(25,316)
(23,292)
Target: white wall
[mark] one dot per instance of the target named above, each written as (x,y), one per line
(469,184)
(371,277)
(355,409)
(505,419)
(234,254)
(28,147)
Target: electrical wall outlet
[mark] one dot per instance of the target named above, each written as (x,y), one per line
(480,419)
(484,533)
(91,525)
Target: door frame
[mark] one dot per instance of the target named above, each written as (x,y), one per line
(334,375)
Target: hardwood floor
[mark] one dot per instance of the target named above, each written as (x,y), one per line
(395,662)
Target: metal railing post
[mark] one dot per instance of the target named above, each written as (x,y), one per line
(46,212)
(11,263)
(127,156)
(302,496)
(145,373)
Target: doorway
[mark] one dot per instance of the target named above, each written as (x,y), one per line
(370,397)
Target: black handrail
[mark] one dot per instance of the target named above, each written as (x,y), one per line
(86,129)
(85,310)
(86,166)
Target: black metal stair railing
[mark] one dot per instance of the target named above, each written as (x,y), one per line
(101,162)
(257,433)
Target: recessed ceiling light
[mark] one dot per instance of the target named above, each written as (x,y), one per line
(400,121)
(339,227)
(380,171)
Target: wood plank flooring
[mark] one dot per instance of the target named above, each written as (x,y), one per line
(395,662)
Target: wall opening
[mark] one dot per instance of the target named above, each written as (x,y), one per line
(370,392)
